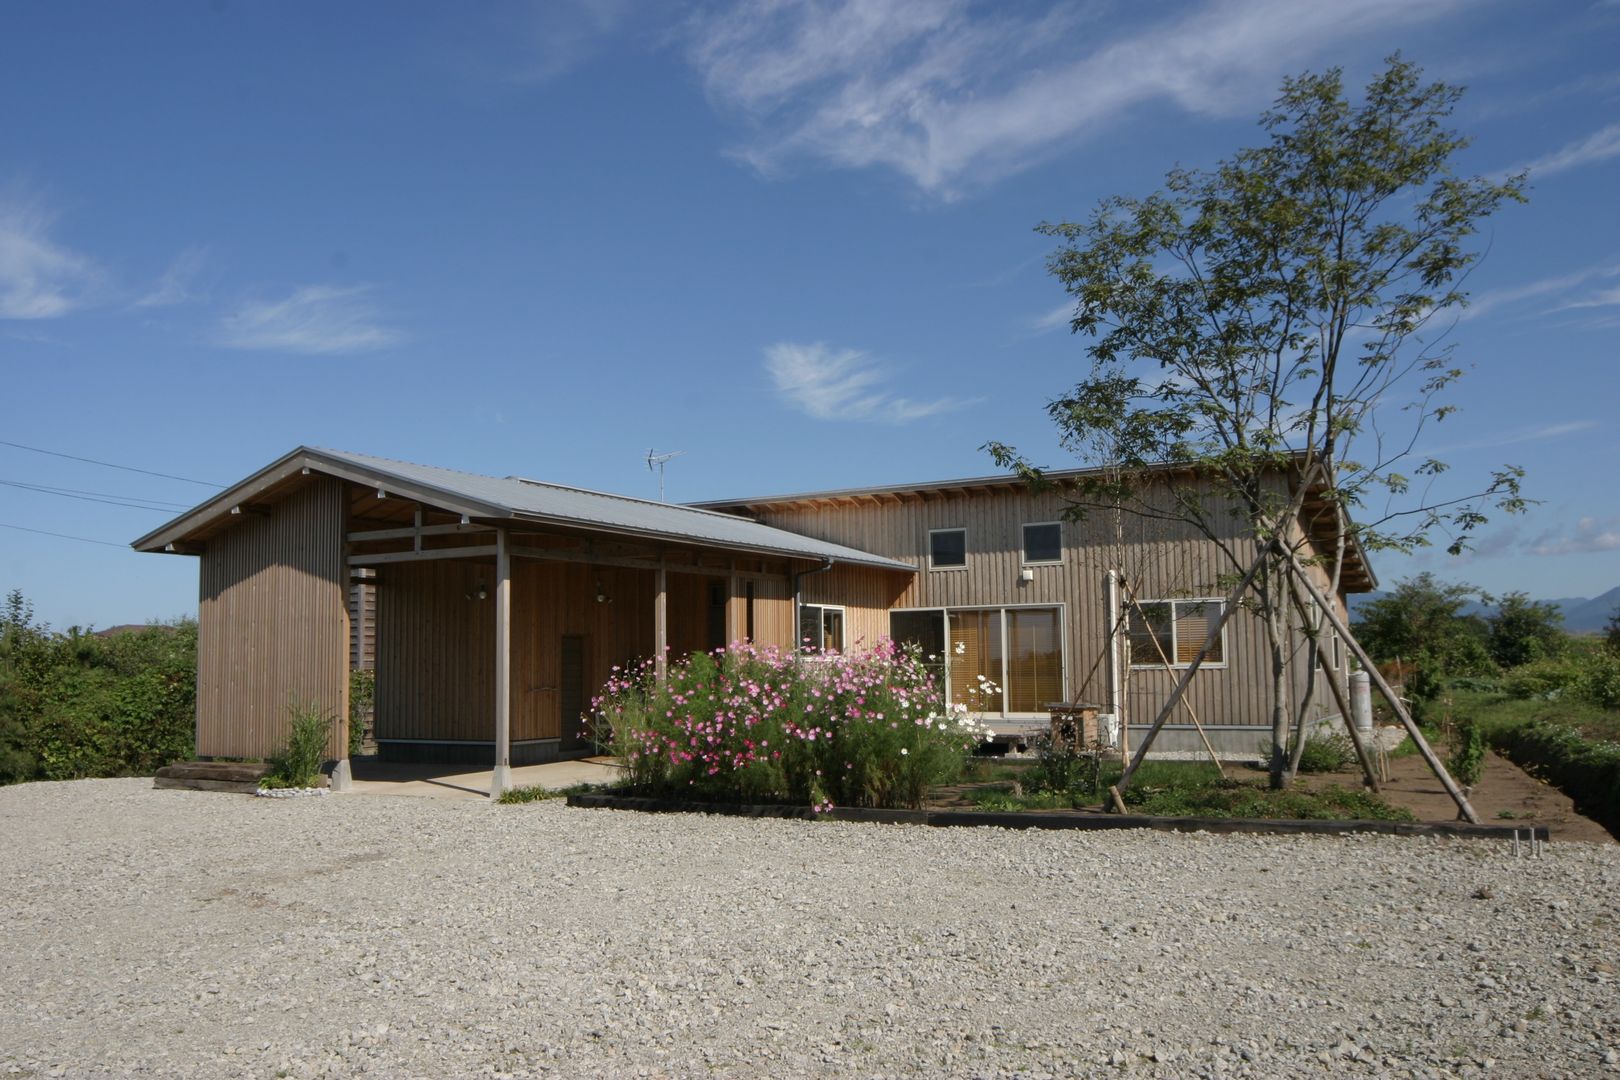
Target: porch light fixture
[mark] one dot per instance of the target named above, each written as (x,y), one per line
(601,596)
(479,592)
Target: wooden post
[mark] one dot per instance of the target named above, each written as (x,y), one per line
(1192,669)
(1429,756)
(661,623)
(502,779)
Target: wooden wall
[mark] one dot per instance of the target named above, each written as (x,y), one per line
(273,624)
(1162,560)
(436,643)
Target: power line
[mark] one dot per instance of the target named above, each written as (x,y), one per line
(46,489)
(110,465)
(86,498)
(63,536)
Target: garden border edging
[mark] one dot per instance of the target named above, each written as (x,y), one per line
(1058,820)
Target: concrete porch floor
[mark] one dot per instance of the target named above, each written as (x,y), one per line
(373,777)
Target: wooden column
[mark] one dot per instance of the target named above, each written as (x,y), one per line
(502,778)
(661,622)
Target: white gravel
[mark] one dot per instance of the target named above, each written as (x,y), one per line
(195,934)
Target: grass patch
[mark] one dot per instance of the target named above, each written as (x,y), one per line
(1196,789)
(535,793)
(1253,799)
(992,770)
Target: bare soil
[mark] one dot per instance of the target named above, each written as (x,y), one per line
(1505,794)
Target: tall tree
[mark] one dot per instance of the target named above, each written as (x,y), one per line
(1425,621)
(1276,324)
(1522,630)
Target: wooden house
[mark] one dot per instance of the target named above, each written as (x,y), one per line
(491,609)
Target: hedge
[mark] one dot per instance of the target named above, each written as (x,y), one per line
(1586,770)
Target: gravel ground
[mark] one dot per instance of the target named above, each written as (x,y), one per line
(198,934)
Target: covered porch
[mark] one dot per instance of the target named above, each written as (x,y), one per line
(490,609)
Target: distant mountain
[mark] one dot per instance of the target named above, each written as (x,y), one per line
(1582,615)
(1589,616)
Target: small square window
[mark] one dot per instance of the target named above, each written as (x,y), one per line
(947,548)
(1043,542)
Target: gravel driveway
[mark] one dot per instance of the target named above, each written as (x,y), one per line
(196,934)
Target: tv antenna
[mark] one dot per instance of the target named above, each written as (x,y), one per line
(656,462)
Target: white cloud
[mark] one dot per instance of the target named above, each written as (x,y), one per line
(1589,535)
(1562,284)
(557,36)
(39,278)
(315,319)
(947,96)
(1515,436)
(174,287)
(1602,298)
(1598,146)
(843,384)
(1060,316)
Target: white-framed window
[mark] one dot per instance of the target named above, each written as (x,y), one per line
(1043,543)
(821,627)
(1174,630)
(947,549)
(1001,661)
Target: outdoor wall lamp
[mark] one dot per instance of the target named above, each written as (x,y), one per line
(601,596)
(478,593)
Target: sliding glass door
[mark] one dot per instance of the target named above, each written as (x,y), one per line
(1017,651)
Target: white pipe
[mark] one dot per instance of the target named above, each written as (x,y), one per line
(1113,651)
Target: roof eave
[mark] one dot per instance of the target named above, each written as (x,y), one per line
(873,561)
(305,459)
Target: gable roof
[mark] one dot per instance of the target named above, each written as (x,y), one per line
(517,500)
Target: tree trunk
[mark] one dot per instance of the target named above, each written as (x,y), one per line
(1279,682)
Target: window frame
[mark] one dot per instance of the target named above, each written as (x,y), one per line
(1023,546)
(944,612)
(1136,607)
(948,566)
(821,647)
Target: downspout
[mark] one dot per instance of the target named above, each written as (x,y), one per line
(1113,655)
(826,565)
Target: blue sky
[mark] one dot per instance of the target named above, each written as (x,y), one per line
(794,240)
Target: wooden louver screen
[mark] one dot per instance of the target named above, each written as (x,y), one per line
(1194,621)
(1034,659)
(975,651)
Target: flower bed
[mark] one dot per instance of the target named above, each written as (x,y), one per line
(749,724)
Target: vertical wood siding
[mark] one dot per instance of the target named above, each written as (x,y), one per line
(1162,560)
(273,624)
(436,644)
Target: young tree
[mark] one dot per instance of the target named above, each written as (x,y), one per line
(1261,324)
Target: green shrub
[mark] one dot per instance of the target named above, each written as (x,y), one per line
(1467,762)
(1060,768)
(1598,678)
(1326,754)
(299,762)
(77,705)
(362,695)
(1543,679)
(535,793)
